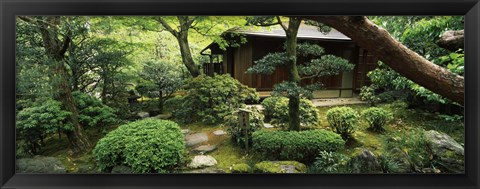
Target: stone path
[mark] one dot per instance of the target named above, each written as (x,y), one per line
(199,143)
(321,102)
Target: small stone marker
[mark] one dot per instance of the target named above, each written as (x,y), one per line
(244,120)
(203,149)
(219,132)
(194,139)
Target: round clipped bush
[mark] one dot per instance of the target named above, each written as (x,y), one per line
(342,120)
(147,146)
(276,110)
(377,118)
(237,132)
(301,146)
(210,99)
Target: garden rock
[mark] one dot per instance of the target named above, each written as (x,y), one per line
(143,115)
(203,149)
(40,164)
(280,167)
(206,170)
(219,132)
(202,161)
(267,125)
(365,162)
(194,139)
(185,131)
(87,168)
(446,151)
(164,116)
(122,169)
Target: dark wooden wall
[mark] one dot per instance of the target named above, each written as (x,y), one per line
(237,60)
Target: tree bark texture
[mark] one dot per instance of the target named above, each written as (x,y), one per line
(398,57)
(452,40)
(293,76)
(55,49)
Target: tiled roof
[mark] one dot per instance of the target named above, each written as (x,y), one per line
(304,32)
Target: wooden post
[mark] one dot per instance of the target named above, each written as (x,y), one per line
(244,120)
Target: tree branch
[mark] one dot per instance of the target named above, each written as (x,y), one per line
(166,26)
(279,21)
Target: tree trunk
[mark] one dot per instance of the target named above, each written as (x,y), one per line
(160,101)
(293,76)
(55,50)
(397,56)
(186,54)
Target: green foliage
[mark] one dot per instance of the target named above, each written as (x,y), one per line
(92,112)
(147,146)
(412,32)
(237,132)
(413,143)
(39,119)
(301,146)
(276,110)
(388,164)
(210,99)
(269,63)
(343,120)
(377,118)
(367,93)
(329,162)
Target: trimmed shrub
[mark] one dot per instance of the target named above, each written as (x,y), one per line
(93,113)
(329,162)
(210,99)
(377,118)
(342,120)
(276,110)
(301,146)
(147,146)
(237,132)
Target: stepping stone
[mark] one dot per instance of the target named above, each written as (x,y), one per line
(185,131)
(194,139)
(267,125)
(206,170)
(203,149)
(219,132)
(143,115)
(163,116)
(202,161)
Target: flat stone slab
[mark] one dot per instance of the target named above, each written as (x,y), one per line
(267,125)
(219,132)
(163,116)
(185,131)
(40,164)
(203,149)
(143,115)
(194,139)
(202,161)
(206,170)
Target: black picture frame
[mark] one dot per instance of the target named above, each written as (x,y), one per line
(10,8)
